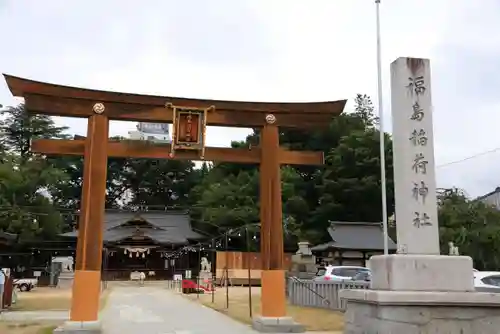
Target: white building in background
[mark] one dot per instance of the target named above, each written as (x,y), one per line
(158,132)
(491,198)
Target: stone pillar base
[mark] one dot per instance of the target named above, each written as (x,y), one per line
(277,325)
(410,272)
(415,312)
(79,327)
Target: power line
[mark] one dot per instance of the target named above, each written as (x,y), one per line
(469,157)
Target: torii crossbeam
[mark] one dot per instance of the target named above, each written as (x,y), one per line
(190,117)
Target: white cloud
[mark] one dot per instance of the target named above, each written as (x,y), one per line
(280,50)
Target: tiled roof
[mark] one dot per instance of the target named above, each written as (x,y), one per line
(355,236)
(7,236)
(164,227)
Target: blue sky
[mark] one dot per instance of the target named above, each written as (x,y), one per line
(271,50)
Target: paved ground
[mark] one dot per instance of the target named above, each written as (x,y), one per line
(20,316)
(150,310)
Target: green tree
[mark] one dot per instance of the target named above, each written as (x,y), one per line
(152,182)
(228,201)
(130,182)
(19,128)
(25,178)
(351,174)
(471,225)
(350,186)
(66,193)
(25,208)
(224,201)
(364,110)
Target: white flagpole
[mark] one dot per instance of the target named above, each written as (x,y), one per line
(381,130)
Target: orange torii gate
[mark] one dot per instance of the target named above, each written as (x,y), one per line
(190,118)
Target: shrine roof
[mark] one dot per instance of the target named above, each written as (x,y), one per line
(160,226)
(6,237)
(355,236)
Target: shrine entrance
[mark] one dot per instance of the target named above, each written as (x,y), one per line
(190,118)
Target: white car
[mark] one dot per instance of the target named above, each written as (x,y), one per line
(487,281)
(338,273)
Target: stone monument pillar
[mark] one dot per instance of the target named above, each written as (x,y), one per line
(418,290)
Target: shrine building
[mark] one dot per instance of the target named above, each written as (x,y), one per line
(352,244)
(143,241)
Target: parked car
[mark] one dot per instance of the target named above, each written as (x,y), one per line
(487,281)
(338,273)
(363,276)
(25,284)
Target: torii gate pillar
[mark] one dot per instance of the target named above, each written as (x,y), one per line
(273,297)
(87,283)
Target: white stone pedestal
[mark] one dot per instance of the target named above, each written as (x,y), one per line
(396,312)
(412,294)
(422,273)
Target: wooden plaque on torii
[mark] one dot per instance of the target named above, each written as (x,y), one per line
(190,117)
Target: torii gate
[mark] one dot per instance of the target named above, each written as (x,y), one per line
(190,117)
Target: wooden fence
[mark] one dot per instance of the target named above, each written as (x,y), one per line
(238,264)
(319,294)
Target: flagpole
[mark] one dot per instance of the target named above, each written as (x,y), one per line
(383,184)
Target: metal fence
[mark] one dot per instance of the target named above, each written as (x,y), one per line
(320,294)
(304,292)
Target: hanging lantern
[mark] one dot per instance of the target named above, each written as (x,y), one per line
(136,254)
(148,251)
(130,255)
(143,255)
(125,251)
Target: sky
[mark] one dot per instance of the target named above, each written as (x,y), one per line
(272,50)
